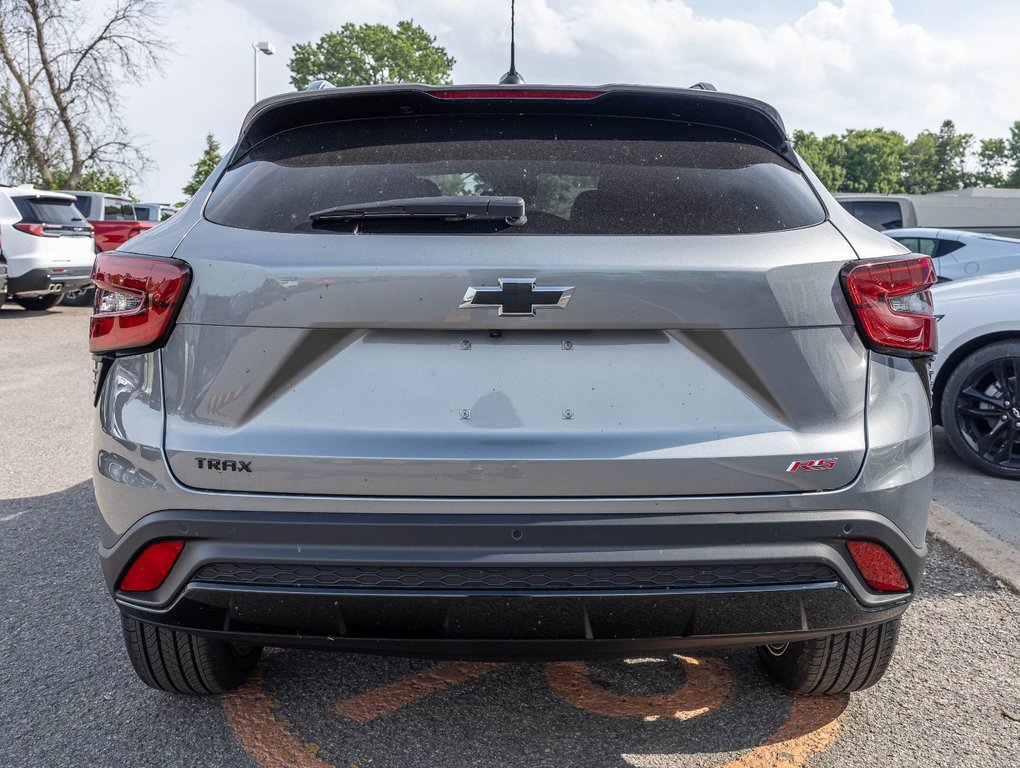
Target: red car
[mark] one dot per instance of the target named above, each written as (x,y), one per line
(114,221)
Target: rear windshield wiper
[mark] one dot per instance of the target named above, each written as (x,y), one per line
(449,207)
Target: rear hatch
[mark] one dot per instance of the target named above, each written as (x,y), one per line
(55,228)
(668,322)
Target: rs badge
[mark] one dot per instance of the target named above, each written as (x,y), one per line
(810,465)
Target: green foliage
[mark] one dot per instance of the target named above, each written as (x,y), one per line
(91,180)
(951,150)
(1013,155)
(826,156)
(205,165)
(873,159)
(371,54)
(920,165)
(993,161)
(881,161)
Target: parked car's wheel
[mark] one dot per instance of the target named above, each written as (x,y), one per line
(182,663)
(848,661)
(39,303)
(981,409)
(80,298)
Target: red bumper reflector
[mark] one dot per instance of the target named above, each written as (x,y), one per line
(878,567)
(150,568)
(514,93)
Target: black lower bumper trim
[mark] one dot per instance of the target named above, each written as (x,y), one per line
(540,585)
(483,578)
(42,281)
(558,625)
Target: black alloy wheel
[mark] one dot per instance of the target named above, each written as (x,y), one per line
(981,412)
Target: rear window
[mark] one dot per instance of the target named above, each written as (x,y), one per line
(577,175)
(118,209)
(48,211)
(145,212)
(84,204)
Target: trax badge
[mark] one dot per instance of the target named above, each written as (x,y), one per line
(224,465)
(812,464)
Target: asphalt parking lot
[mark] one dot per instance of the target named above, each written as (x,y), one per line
(69,698)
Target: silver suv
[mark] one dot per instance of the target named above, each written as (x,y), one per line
(512,371)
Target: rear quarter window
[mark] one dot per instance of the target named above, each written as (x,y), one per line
(145,213)
(577,175)
(116,209)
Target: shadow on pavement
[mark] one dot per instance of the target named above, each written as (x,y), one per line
(317,709)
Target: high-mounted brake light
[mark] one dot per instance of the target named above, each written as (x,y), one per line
(38,230)
(892,304)
(878,567)
(514,93)
(137,301)
(150,569)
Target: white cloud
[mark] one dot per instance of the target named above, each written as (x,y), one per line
(854,63)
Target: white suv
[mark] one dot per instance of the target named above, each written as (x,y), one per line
(46,244)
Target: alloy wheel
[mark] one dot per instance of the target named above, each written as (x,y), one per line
(988,413)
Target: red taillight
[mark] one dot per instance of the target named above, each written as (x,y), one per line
(137,300)
(878,567)
(513,93)
(149,570)
(892,304)
(38,230)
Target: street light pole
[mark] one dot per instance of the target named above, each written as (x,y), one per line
(262,47)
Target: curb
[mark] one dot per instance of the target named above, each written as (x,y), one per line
(996,558)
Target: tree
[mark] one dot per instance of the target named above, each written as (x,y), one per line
(826,156)
(60,84)
(370,54)
(993,161)
(1013,155)
(93,180)
(873,160)
(951,150)
(206,164)
(920,165)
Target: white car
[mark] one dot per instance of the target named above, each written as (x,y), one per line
(46,244)
(959,255)
(976,375)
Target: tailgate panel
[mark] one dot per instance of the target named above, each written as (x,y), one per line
(514,414)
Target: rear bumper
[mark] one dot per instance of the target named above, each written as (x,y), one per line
(40,282)
(706,580)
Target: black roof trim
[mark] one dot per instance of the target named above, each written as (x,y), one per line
(291,110)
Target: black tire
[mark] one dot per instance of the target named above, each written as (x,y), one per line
(182,663)
(965,431)
(80,298)
(841,663)
(39,303)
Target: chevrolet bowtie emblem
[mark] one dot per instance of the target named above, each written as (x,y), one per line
(516,296)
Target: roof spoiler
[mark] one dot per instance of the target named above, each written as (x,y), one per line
(700,104)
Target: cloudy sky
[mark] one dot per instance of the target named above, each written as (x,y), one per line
(827,65)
